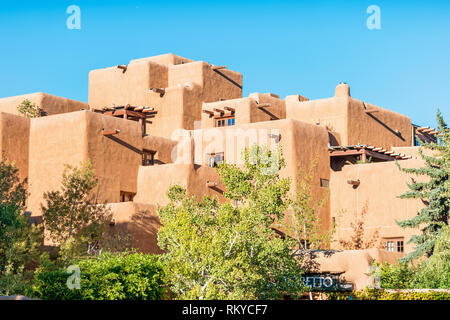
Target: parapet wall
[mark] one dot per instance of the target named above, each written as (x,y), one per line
(49,104)
(14,141)
(356,122)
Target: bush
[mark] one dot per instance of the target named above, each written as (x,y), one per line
(381,294)
(125,276)
(396,276)
(434,273)
(431,273)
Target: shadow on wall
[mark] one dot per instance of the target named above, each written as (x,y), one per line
(141,232)
(308,258)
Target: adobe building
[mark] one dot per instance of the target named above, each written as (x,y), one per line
(167,120)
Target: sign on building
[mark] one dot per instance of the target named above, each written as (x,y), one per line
(325,282)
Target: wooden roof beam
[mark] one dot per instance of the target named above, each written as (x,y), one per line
(354,182)
(110,132)
(229,109)
(161,91)
(211,184)
(124,67)
(210,113)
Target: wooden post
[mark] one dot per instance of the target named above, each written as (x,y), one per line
(123,67)
(144,126)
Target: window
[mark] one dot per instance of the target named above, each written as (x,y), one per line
(324,183)
(400,246)
(394,244)
(225,121)
(214,159)
(389,246)
(126,196)
(148,157)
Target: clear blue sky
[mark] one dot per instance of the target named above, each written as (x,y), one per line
(284,47)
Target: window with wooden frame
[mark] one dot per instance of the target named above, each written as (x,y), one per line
(126,196)
(225,121)
(394,244)
(148,157)
(324,183)
(214,158)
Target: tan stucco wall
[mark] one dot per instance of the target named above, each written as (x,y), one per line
(347,116)
(14,141)
(378,128)
(115,164)
(76,137)
(154,181)
(138,220)
(162,146)
(380,185)
(300,142)
(330,112)
(356,264)
(54,141)
(246,109)
(50,104)
(186,86)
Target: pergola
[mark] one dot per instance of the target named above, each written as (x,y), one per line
(426,134)
(363,152)
(140,114)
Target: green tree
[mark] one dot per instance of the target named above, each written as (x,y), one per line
(12,190)
(19,239)
(229,250)
(435,193)
(120,276)
(434,273)
(29,109)
(304,224)
(72,215)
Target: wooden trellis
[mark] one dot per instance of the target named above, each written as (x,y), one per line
(140,114)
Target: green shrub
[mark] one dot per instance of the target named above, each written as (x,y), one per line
(434,273)
(125,276)
(431,273)
(382,294)
(399,276)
